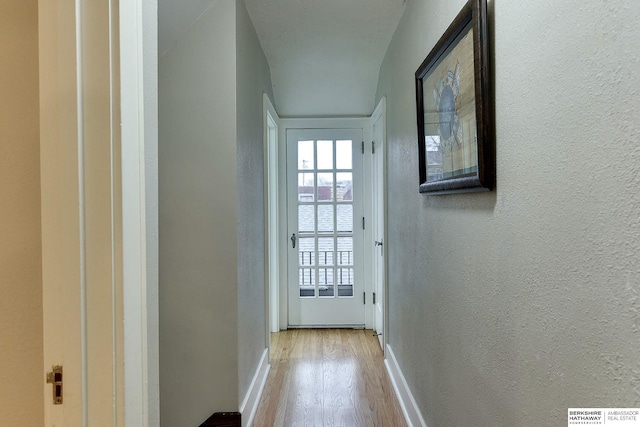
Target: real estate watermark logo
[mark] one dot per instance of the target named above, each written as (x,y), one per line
(614,417)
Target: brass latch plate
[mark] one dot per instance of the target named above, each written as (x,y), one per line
(55,378)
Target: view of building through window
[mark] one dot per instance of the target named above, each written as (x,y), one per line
(325,218)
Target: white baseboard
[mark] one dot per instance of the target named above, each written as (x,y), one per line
(252,399)
(408,404)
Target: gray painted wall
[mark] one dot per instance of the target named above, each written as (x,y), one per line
(198,199)
(507,308)
(212,232)
(253,79)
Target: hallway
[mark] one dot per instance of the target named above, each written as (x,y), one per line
(327,377)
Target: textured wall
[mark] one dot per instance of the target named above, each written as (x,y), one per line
(198,221)
(20,238)
(506,308)
(253,79)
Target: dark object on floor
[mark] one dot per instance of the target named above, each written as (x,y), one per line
(223,419)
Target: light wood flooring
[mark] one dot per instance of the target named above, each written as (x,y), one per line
(327,377)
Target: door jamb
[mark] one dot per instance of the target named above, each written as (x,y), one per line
(272,271)
(139,105)
(381,111)
(286,124)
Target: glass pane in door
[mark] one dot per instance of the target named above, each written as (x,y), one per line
(345,266)
(306,187)
(325,219)
(306,219)
(343,155)
(344,187)
(307,262)
(325,187)
(305,155)
(325,154)
(345,218)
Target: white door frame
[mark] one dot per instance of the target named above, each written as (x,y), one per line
(319,123)
(80,142)
(380,113)
(136,46)
(270,138)
(139,107)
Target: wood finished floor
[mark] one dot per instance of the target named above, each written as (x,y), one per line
(327,377)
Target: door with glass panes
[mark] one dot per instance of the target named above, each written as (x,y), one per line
(325,238)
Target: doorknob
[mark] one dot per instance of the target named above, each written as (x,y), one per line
(293,240)
(378,243)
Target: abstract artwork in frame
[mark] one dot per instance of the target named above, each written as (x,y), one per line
(455,110)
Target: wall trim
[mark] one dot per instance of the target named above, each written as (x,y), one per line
(408,404)
(250,402)
(139,169)
(272,208)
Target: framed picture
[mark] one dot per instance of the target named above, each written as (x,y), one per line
(455,110)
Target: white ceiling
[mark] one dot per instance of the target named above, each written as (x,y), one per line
(324,55)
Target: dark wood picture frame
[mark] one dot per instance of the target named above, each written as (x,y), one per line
(456,129)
